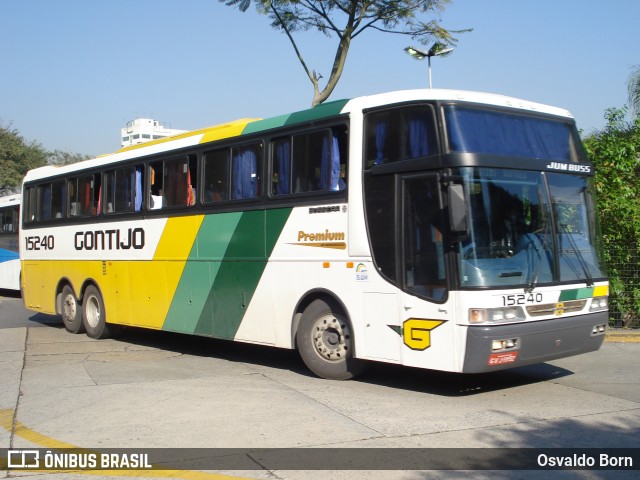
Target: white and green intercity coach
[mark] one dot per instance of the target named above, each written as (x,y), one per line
(438,229)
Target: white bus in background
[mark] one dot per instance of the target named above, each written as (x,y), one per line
(9,256)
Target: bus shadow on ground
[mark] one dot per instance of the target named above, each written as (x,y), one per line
(48,320)
(387,375)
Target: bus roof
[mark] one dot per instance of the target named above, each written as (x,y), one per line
(326,110)
(490,99)
(10,200)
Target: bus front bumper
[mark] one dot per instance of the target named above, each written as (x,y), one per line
(535,342)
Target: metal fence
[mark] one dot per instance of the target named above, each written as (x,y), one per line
(624,296)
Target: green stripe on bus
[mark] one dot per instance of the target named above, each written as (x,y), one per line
(207,252)
(576,294)
(224,268)
(323,110)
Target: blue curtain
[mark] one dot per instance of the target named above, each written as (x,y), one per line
(418,137)
(46,202)
(482,131)
(283,155)
(381,138)
(245,174)
(330,165)
(335,165)
(138,190)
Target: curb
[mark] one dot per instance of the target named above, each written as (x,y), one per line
(623,336)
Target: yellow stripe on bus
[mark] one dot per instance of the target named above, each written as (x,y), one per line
(153,283)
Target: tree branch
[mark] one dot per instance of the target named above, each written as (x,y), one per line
(312,76)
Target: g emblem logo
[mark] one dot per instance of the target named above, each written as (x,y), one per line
(416,332)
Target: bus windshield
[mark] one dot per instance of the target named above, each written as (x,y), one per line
(528,228)
(494,132)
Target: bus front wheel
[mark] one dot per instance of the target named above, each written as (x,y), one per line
(71,311)
(94,315)
(325,342)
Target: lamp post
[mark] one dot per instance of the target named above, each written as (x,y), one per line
(436,49)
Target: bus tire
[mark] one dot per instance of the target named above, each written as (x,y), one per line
(71,311)
(93,314)
(325,342)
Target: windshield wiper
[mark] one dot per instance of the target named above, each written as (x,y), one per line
(533,279)
(581,260)
(543,238)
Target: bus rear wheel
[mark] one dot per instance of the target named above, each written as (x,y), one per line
(94,315)
(71,311)
(325,342)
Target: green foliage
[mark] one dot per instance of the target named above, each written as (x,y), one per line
(615,151)
(58,157)
(17,156)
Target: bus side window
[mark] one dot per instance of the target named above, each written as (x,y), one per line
(84,195)
(216,174)
(316,163)
(399,134)
(123,190)
(173,182)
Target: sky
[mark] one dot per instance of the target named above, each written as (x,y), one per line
(74,72)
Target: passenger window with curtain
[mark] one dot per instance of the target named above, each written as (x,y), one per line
(399,134)
(502,133)
(123,189)
(246,163)
(84,195)
(173,182)
(310,162)
(44,202)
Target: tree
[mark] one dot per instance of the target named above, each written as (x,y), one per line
(59,157)
(17,156)
(615,151)
(348,19)
(633,87)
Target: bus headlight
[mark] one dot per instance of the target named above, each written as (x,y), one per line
(496,315)
(599,304)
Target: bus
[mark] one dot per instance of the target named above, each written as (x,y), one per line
(9,256)
(446,230)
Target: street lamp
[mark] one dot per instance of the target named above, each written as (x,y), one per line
(436,49)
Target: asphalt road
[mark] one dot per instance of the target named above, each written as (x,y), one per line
(158,390)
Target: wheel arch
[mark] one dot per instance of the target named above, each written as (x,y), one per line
(307,299)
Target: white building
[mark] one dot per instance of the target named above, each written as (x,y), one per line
(143,130)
